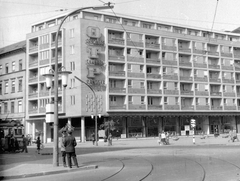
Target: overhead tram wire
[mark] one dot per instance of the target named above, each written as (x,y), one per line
(214,16)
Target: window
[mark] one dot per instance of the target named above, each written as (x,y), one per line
(20,65)
(148,26)
(19,106)
(134,23)
(130,100)
(224,88)
(165,100)
(196,87)
(113,83)
(13,86)
(149,70)
(197,101)
(5,107)
(224,101)
(129,68)
(72,100)
(176,85)
(20,85)
(113,100)
(141,68)
(6,68)
(6,87)
(44,70)
(164,85)
(129,51)
(207,101)
(72,83)
(0,88)
(72,33)
(125,22)
(142,99)
(176,101)
(164,70)
(150,101)
(44,55)
(71,49)
(130,83)
(44,39)
(12,107)
(13,66)
(72,65)
(149,85)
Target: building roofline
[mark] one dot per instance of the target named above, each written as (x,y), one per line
(13,47)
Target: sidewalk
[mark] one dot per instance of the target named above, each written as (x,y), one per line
(35,169)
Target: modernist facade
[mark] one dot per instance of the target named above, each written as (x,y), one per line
(12,87)
(148,76)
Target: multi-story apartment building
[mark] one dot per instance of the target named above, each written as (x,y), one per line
(148,75)
(12,88)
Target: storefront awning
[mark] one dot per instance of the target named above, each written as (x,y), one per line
(171,114)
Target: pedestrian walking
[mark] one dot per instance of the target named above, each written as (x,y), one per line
(234,136)
(24,146)
(93,137)
(110,139)
(63,149)
(70,143)
(163,138)
(38,145)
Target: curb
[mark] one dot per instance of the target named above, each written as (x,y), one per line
(44,173)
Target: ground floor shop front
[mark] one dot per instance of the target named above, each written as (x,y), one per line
(140,125)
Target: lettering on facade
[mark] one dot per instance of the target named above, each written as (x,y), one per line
(94,42)
(95,62)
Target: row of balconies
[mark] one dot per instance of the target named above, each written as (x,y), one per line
(35,94)
(35,47)
(173,92)
(44,62)
(41,110)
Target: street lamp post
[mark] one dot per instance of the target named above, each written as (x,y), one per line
(96,110)
(55,148)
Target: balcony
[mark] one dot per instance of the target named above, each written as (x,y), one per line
(202,107)
(117,107)
(33,63)
(116,57)
(154,91)
(165,47)
(186,50)
(59,43)
(32,79)
(117,74)
(171,92)
(134,43)
(170,76)
(200,65)
(153,61)
(185,63)
(33,111)
(135,74)
(116,41)
(201,93)
(117,90)
(44,46)
(213,79)
(155,107)
(171,107)
(53,59)
(44,62)
(213,66)
(216,107)
(215,93)
(225,67)
(228,80)
(43,93)
(33,95)
(153,46)
(213,53)
(200,79)
(187,107)
(229,94)
(33,49)
(238,94)
(136,90)
(153,76)
(135,59)
(230,107)
(137,106)
(169,62)
(226,54)
(236,55)
(186,92)
(199,51)
(186,78)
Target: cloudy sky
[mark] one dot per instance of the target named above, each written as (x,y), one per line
(16,16)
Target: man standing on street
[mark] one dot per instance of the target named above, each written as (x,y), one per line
(25,142)
(70,143)
(63,149)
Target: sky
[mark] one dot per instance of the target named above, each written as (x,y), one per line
(16,16)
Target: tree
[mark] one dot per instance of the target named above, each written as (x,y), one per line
(110,126)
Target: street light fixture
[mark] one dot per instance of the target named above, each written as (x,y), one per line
(55,148)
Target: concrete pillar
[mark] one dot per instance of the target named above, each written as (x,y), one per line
(143,126)
(44,131)
(83,140)
(33,130)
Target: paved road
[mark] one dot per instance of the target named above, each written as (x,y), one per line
(142,159)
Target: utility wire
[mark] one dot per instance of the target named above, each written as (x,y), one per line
(214,16)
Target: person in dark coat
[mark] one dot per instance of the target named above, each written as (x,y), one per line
(38,144)
(25,142)
(93,137)
(70,143)
(63,149)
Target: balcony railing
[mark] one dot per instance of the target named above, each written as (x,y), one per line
(117,73)
(237,55)
(199,51)
(182,49)
(188,78)
(135,74)
(153,61)
(238,94)
(137,106)
(230,107)
(200,65)
(33,49)
(154,46)
(213,66)
(213,53)
(201,93)
(59,43)
(166,47)
(136,90)
(53,59)
(116,57)
(44,62)
(216,107)
(33,95)
(154,91)
(169,62)
(215,93)
(213,79)
(114,107)
(226,54)
(200,79)
(135,59)
(225,67)
(43,93)
(227,80)
(32,79)
(117,41)
(155,107)
(185,63)
(170,76)
(171,92)
(117,90)
(171,107)
(186,92)
(134,43)
(33,111)
(229,94)
(154,76)
(202,107)
(187,107)
(33,63)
